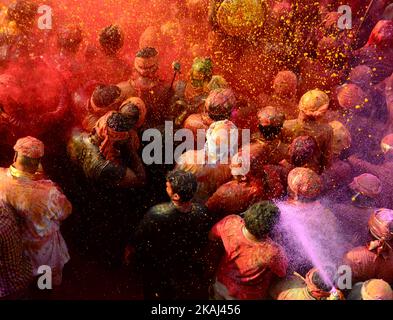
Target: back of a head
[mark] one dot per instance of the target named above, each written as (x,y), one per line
(285,83)
(69,38)
(302,150)
(304,183)
(105,95)
(261,218)
(220,103)
(119,123)
(351,97)
(131,111)
(271,122)
(111,39)
(324,281)
(183,183)
(361,76)
(314,103)
(147,52)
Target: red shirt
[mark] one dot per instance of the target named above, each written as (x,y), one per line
(247,267)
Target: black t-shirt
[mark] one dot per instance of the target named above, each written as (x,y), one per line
(169,240)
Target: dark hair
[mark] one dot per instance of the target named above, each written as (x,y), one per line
(147,52)
(218,117)
(70,38)
(183,183)
(261,218)
(131,112)
(119,122)
(318,280)
(22,11)
(111,39)
(270,132)
(29,162)
(105,95)
(302,150)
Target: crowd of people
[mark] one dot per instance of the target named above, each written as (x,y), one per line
(314,206)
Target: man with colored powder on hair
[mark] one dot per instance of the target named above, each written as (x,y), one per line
(39,204)
(109,154)
(219,106)
(112,67)
(252,260)
(146,84)
(105,98)
(313,106)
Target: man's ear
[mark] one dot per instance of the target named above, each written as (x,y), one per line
(176,197)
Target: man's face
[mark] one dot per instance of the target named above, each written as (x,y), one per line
(197,78)
(147,67)
(169,190)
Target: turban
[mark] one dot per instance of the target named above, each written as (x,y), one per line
(305,182)
(30,147)
(367,184)
(382,34)
(376,289)
(381,224)
(351,96)
(270,116)
(341,137)
(137,102)
(285,83)
(220,101)
(387,143)
(314,103)
(221,141)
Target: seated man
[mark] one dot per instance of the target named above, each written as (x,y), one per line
(15,266)
(219,106)
(251,260)
(109,154)
(169,239)
(39,205)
